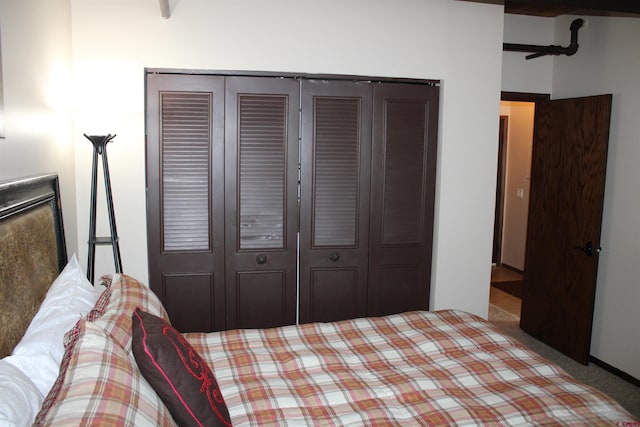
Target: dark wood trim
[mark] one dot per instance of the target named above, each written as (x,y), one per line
(615,371)
(498,223)
(624,6)
(515,270)
(307,76)
(22,194)
(552,8)
(524,96)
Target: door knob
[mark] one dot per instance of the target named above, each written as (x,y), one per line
(261,259)
(589,249)
(334,256)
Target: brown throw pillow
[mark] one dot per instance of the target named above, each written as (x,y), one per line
(178,374)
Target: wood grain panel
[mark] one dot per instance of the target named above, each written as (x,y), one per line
(565,212)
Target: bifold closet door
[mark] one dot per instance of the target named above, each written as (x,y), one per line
(268,196)
(402,197)
(261,179)
(334,199)
(185,198)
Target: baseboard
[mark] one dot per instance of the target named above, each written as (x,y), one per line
(615,371)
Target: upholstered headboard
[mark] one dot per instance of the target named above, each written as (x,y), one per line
(32,251)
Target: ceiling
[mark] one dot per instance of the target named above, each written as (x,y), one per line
(553,8)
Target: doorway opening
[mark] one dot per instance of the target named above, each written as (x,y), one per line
(512,205)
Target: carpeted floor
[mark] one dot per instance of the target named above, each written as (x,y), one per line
(625,393)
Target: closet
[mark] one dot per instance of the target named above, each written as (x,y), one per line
(278,199)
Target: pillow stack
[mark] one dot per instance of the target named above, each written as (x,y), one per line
(106,356)
(111,318)
(35,361)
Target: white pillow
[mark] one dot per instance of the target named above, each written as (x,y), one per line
(39,353)
(20,400)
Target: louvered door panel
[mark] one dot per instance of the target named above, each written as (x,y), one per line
(185,204)
(402,198)
(334,200)
(261,204)
(262,170)
(336,144)
(185,151)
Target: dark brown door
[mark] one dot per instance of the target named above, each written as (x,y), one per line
(262,121)
(334,204)
(565,212)
(402,197)
(185,198)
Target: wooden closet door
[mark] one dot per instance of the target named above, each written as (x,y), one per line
(334,189)
(402,197)
(262,121)
(185,198)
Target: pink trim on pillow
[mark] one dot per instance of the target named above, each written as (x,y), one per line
(164,374)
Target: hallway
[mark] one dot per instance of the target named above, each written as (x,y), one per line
(505,297)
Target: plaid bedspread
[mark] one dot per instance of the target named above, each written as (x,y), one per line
(420,368)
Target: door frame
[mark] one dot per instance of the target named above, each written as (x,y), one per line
(498,222)
(524,96)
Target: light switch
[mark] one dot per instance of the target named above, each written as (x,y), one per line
(520,193)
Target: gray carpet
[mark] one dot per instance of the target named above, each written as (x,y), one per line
(625,393)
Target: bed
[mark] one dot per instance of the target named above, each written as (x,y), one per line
(114,359)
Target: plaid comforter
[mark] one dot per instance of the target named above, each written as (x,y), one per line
(419,368)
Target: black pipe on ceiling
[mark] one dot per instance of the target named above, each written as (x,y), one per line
(551,49)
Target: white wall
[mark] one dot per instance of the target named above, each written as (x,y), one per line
(36,61)
(528,75)
(468,146)
(608,61)
(457,42)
